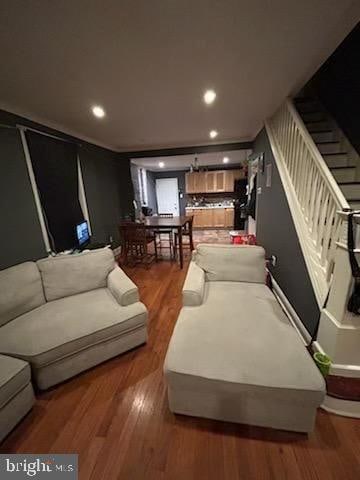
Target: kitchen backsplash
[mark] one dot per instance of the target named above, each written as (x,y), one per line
(203,200)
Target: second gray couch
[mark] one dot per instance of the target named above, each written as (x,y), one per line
(233,354)
(66,314)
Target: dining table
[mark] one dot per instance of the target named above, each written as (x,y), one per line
(173,223)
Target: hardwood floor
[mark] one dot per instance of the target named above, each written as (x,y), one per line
(116,418)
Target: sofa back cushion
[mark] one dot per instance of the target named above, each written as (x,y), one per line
(67,275)
(20,291)
(231,263)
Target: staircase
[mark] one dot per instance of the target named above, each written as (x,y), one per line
(320,174)
(313,194)
(335,149)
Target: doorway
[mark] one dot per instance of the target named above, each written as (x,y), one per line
(167,195)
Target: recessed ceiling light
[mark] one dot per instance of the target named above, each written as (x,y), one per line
(98,111)
(161,164)
(213,134)
(226,160)
(209,97)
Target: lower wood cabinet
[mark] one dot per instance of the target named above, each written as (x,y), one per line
(212,217)
(218,219)
(229,217)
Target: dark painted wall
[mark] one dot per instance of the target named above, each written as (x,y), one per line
(20,236)
(276,233)
(107,183)
(337,85)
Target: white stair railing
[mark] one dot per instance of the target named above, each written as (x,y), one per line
(314,196)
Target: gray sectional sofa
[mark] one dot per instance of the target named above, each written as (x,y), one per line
(16,392)
(234,355)
(61,316)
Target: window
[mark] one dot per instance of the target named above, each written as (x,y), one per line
(142,178)
(56,171)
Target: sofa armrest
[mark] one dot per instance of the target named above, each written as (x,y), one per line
(193,289)
(124,290)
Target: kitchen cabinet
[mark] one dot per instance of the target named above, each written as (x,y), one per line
(218,217)
(209,182)
(212,217)
(200,182)
(229,181)
(190,183)
(195,182)
(214,181)
(207,216)
(220,181)
(229,217)
(196,213)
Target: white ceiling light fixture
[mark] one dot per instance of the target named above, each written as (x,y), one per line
(161,164)
(213,134)
(98,111)
(226,160)
(209,97)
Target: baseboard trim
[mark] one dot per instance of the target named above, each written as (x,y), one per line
(345,408)
(342,370)
(290,312)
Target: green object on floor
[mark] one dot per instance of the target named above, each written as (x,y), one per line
(323,362)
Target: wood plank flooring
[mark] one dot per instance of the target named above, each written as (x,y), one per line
(116,418)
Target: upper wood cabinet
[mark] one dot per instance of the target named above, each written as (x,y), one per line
(200,182)
(195,182)
(212,181)
(229,181)
(189,183)
(220,181)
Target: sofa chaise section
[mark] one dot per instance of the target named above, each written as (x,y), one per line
(234,355)
(88,313)
(16,393)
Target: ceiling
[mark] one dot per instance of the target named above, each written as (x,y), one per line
(149,62)
(183,162)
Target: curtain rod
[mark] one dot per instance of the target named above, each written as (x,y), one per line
(3,125)
(25,128)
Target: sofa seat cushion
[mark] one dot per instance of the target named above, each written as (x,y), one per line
(14,376)
(239,340)
(68,325)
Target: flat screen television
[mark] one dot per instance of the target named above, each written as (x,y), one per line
(82,233)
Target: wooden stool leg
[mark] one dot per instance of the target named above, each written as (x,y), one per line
(175,246)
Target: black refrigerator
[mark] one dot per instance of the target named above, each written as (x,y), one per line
(240,204)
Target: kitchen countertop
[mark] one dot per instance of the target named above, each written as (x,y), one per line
(210,207)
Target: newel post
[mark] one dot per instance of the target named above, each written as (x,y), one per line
(339,330)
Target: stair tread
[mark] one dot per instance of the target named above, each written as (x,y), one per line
(326,142)
(322,131)
(349,183)
(304,99)
(334,153)
(341,168)
(315,121)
